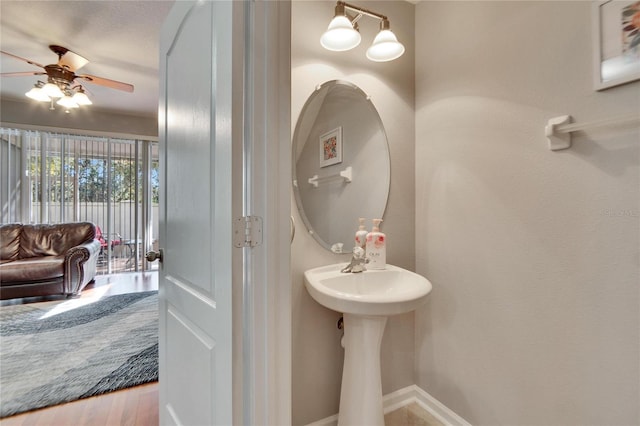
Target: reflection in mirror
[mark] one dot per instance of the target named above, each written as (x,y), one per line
(341,166)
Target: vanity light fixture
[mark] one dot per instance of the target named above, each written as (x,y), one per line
(342,34)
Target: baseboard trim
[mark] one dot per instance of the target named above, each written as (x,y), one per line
(327,421)
(438,409)
(406,396)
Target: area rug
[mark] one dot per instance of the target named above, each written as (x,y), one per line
(56,352)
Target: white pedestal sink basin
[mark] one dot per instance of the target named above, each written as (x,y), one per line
(366,299)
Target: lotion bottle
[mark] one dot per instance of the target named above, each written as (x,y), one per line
(376,247)
(361,234)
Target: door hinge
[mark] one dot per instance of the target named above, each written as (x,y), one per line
(247,231)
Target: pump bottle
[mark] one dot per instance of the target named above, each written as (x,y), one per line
(361,234)
(376,247)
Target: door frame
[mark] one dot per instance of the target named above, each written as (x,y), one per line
(266,173)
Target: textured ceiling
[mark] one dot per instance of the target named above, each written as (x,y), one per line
(119,38)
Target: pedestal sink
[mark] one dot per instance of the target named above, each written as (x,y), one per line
(365,299)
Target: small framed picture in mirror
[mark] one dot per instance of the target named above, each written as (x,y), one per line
(331,147)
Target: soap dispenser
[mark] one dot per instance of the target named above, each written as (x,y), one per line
(361,234)
(376,247)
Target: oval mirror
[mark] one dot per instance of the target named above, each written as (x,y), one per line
(341,166)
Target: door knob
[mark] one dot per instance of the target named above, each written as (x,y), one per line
(154,255)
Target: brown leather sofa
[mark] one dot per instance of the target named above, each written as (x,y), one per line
(47,260)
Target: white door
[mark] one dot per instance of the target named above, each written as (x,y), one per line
(224,127)
(195,129)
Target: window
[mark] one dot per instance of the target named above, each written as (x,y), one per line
(53,178)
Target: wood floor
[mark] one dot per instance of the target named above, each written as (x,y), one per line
(137,406)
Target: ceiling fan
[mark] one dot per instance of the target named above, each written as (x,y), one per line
(61,78)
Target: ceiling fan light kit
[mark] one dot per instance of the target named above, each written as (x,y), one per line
(36,93)
(67,102)
(61,80)
(81,98)
(52,90)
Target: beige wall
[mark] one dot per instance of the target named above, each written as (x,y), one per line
(87,118)
(533,254)
(317,354)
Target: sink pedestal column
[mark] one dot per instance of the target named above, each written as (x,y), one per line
(361,393)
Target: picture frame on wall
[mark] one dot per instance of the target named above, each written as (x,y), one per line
(616,42)
(331,147)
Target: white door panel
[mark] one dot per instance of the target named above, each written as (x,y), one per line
(195,278)
(188,383)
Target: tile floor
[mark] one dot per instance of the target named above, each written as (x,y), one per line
(411,415)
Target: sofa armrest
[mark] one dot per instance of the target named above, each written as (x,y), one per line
(80,266)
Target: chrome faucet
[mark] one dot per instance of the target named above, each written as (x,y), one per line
(357,261)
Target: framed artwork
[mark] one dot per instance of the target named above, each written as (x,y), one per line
(616,42)
(331,147)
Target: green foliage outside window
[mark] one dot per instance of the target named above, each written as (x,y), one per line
(92,177)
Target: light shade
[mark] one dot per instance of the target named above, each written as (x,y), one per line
(340,35)
(38,94)
(67,102)
(385,47)
(52,90)
(81,98)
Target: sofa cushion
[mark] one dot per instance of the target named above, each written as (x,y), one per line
(53,240)
(10,241)
(32,269)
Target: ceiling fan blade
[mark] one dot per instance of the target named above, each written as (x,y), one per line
(21,74)
(107,83)
(72,61)
(22,59)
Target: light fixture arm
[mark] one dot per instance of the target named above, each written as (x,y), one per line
(342,6)
(354,19)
